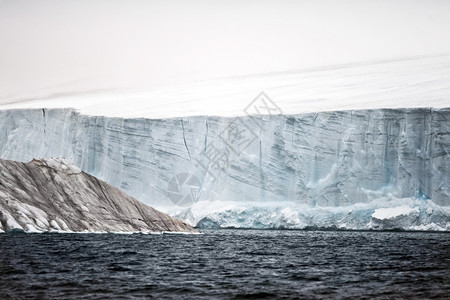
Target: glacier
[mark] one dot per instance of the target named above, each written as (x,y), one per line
(354,147)
(326,169)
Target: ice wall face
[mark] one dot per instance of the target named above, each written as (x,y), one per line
(326,159)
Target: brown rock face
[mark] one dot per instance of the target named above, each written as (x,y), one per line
(52,194)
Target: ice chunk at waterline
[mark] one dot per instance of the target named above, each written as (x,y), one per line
(384,213)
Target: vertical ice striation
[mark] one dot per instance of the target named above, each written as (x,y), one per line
(325,159)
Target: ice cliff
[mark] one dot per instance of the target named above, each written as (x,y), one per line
(327,169)
(54,195)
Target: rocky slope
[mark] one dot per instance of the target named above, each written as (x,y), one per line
(46,195)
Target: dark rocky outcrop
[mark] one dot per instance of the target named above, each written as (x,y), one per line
(52,194)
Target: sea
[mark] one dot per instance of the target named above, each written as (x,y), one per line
(226,264)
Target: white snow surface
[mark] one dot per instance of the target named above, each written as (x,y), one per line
(419,82)
(392,212)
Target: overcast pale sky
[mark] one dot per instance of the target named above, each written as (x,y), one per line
(65,46)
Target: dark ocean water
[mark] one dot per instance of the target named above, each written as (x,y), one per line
(226,264)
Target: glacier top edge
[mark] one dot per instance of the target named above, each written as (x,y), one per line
(414,83)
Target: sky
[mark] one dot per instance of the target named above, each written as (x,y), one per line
(69,46)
